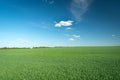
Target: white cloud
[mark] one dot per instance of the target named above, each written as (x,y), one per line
(71,39)
(79,7)
(68,28)
(64,23)
(76,36)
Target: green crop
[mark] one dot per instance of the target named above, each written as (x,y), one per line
(75,63)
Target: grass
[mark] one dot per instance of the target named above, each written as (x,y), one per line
(77,63)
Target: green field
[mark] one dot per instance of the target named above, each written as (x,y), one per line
(77,63)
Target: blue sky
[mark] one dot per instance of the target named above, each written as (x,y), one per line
(28,23)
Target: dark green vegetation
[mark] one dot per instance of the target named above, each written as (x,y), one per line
(78,63)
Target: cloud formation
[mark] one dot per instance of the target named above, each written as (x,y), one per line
(79,7)
(76,36)
(71,39)
(64,23)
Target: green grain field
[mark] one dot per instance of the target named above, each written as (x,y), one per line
(75,63)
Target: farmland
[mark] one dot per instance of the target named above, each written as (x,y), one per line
(73,63)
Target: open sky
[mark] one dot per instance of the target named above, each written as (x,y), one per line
(27,23)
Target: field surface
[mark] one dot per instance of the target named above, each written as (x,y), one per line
(77,63)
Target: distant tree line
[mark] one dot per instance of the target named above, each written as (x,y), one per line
(14,48)
(23,47)
(32,47)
